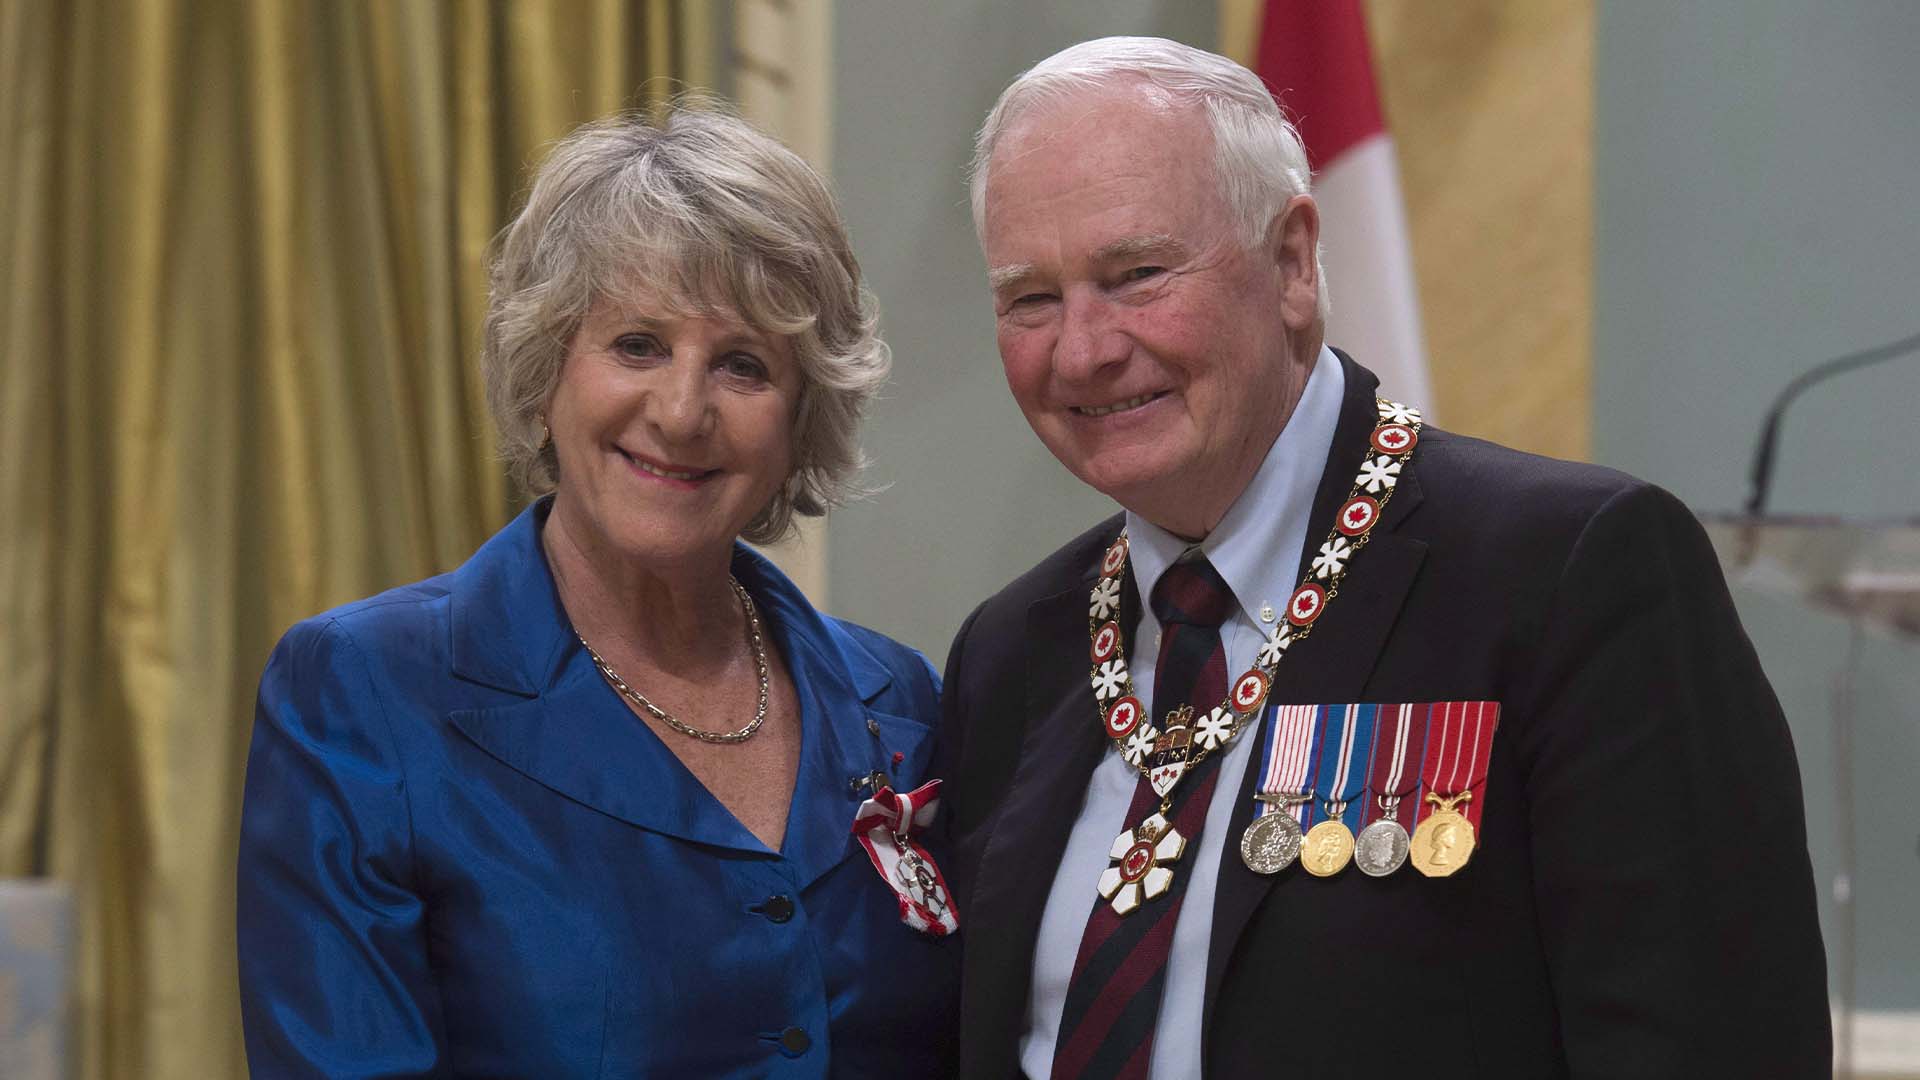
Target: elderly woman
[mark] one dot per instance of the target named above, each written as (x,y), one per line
(612,799)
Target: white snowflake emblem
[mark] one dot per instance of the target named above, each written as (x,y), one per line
(1213,729)
(1137,875)
(1139,744)
(1392,412)
(1378,473)
(1110,679)
(1275,648)
(1106,595)
(1332,560)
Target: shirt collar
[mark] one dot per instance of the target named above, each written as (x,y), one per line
(1256,547)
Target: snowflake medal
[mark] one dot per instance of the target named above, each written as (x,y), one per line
(1172,751)
(886,827)
(1138,874)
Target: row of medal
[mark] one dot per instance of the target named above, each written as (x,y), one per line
(1344,764)
(1141,855)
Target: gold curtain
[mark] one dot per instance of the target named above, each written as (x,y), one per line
(241,282)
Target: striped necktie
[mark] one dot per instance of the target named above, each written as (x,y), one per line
(1113,996)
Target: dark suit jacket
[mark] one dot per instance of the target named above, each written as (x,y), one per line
(1641,902)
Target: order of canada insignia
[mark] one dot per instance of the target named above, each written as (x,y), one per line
(1137,875)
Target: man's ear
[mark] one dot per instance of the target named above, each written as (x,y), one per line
(1293,243)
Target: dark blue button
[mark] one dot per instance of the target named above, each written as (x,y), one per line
(778,909)
(794,1041)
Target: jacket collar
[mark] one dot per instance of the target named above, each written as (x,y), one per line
(570,731)
(1333,665)
(509,630)
(507,586)
(1059,750)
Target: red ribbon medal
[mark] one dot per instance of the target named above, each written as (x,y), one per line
(885,826)
(1453,778)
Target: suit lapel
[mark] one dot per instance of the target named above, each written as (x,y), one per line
(1058,753)
(566,729)
(1334,663)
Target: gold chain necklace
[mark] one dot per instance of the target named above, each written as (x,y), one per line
(759,660)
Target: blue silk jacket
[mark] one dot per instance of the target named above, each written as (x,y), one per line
(462,855)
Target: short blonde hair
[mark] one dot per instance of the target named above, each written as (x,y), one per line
(697,206)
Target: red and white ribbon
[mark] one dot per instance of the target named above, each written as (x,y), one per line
(1288,759)
(1459,743)
(885,826)
(1399,743)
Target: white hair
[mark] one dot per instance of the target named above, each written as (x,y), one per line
(1258,158)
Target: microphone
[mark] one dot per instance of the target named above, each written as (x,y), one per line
(1762,473)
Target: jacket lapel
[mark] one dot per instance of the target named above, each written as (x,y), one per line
(844,734)
(1333,664)
(579,740)
(570,732)
(1058,753)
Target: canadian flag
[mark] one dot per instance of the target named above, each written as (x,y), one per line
(1313,55)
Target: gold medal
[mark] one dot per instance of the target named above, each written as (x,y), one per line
(1327,849)
(1444,842)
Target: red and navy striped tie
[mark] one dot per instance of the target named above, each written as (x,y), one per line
(1113,997)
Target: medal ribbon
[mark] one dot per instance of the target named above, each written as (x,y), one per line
(885,825)
(1459,742)
(1342,728)
(1399,740)
(1287,757)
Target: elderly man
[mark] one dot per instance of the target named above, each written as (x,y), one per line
(1352,747)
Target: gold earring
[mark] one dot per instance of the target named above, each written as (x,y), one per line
(546,435)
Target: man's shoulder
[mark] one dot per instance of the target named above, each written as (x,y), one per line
(1487,509)
(1460,473)
(1453,460)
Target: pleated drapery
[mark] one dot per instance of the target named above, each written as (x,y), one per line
(241,281)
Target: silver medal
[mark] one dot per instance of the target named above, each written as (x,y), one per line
(1381,848)
(1271,843)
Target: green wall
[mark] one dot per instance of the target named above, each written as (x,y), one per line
(974,498)
(1756,169)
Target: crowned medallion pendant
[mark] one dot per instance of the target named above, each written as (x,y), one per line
(1171,751)
(1165,754)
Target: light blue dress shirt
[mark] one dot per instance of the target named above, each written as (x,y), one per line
(1256,548)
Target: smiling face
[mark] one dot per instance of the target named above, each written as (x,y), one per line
(671,432)
(1153,353)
